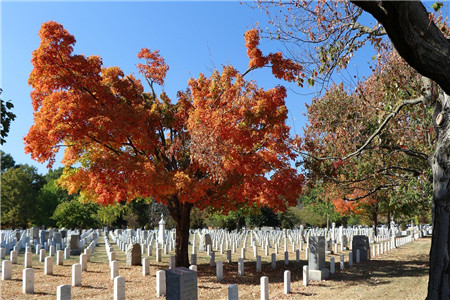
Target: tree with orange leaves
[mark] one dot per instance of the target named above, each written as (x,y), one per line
(223,144)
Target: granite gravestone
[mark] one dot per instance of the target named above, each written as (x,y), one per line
(57,237)
(181,284)
(316,259)
(361,243)
(205,240)
(44,236)
(74,244)
(34,232)
(134,254)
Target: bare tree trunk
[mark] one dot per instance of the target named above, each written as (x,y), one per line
(439,281)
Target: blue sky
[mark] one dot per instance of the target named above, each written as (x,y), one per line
(193,37)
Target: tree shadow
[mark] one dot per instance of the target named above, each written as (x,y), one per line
(94,287)
(373,272)
(251,277)
(376,272)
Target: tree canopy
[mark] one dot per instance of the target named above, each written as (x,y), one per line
(223,143)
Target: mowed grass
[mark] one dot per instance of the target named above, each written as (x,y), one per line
(399,274)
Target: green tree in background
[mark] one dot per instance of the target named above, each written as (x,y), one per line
(7,161)
(20,188)
(49,197)
(74,214)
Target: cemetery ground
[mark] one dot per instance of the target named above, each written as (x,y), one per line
(401,273)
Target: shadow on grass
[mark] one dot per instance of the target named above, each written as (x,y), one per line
(42,293)
(94,287)
(374,272)
(378,272)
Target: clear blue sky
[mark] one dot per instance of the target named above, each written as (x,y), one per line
(193,37)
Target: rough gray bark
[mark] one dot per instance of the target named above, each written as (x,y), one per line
(426,49)
(415,38)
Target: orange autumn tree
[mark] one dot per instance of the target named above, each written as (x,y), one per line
(223,143)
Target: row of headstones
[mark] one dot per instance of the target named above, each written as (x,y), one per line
(59,240)
(63,291)
(119,282)
(264,281)
(144,236)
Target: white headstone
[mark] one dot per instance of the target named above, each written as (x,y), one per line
(63,292)
(158,255)
(6,269)
(243,253)
(48,265)
(145,266)
(13,257)
(114,269)
(287,282)
(219,271)
(67,253)
(59,257)
(76,275)
(305,275)
(119,288)
(83,262)
(160,283)
(28,262)
(112,256)
(342,262)
(28,281)
(264,288)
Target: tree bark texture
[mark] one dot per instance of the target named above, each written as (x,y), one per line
(425,48)
(416,39)
(181,213)
(439,280)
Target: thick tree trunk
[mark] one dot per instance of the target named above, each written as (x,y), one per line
(181,213)
(439,280)
(425,48)
(416,39)
(438,283)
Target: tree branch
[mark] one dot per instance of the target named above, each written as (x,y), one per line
(415,37)
(371,192)
(418,100)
